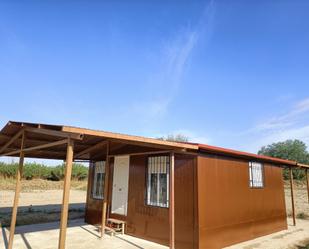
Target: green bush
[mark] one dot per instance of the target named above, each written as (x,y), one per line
(8,170)
(294,150)
(40,171)
(79,172)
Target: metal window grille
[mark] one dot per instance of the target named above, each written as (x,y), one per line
(158,181)
(98,181)
(256,174)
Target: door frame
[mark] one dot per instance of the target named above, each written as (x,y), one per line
(110,191)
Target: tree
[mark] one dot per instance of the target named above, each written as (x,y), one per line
(294,150)
(175,138)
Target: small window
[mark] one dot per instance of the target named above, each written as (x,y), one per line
(98,181)
(256,174)
(158,181)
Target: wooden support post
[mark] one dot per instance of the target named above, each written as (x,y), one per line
(307,178)
(19,174)
(66,194)
(292,196)
(106,180)
(172,201)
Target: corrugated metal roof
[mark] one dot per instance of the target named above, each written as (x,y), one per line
(12,128)
(219,150)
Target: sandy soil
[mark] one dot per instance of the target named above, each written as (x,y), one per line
(40,206)
(39,184)
(300,198)
(49,198)
(293,238)
(79,236)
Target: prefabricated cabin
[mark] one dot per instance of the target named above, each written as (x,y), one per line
(183,195)
(215,202)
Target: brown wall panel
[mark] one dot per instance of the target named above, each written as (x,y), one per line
(229,210)
(142,220)
(152,223)
(185,202)
(93,206)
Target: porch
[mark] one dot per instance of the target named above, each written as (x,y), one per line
(73,144)
(79,236)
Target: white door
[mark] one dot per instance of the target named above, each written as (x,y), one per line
(120,185)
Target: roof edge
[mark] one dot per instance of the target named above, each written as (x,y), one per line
(120,136)
(220,150)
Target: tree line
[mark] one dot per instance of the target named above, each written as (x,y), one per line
(294,150)
(41,171)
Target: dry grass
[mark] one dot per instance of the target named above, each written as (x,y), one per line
(303,245)
(40,199)
(39,184)
(40,216)
(300,198)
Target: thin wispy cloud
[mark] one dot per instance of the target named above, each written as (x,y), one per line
(286,120)
(294,124)
(175,58)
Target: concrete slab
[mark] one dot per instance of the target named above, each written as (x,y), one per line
(293,237)
(79,236)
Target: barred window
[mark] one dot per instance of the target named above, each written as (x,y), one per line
(98,181)
(256,174)
(158,181)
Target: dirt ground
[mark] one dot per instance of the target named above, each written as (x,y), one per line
(79,236)
(300,198)
(39,206)
(293,238)
(39,184)
(50,199)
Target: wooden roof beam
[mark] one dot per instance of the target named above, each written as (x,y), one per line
(142,153)
(36,147)
(92,148)
(35,142)
(51,154)
(301,165)
(16,136)
(142,141)
(76,136)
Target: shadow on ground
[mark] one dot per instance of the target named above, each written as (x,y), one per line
(48,207)
(22,230)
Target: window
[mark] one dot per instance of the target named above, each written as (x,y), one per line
(158,181)
(98,180)
(256,174)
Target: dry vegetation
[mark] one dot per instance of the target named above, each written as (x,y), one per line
(39,216)
(40,201)
(42,192)
(39,184)
(300,198)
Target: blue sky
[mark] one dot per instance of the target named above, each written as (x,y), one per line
(228,73)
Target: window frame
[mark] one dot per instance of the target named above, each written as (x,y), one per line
(148,183)
(252,183)
(94,180)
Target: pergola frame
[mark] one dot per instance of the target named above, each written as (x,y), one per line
(291,179)
(292,195)
(69,139)
(66,190)
(19,174)
(71,136)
